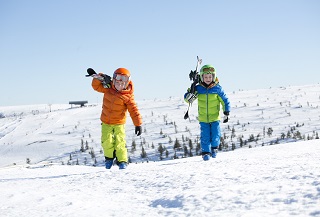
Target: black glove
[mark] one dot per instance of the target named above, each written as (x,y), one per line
(107,78)
(102,77)
(226,118)
(138,130)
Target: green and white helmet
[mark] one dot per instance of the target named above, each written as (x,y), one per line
(207,69)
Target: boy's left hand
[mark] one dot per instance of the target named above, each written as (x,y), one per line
(138,130)
(226,117)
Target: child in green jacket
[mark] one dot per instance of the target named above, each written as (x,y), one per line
(211,99)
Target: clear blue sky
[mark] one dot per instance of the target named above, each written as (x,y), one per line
(46,46)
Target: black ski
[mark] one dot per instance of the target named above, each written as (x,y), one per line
(194,76)
(105,79)
(90,72)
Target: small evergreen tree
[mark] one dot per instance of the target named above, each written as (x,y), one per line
(233,146)
(133,146)
(177,144)
(167,153)
(143,153)
(92,154)
(233,133)
(198,148)
(160,149)
(241,142)
(82,148)
(190,153)
(251,138)
(185,149)
(175,155)
(288,134)
(270,131)
(190,144)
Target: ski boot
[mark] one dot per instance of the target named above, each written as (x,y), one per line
(108,163)
(122,165)
(206,157)
(214,152)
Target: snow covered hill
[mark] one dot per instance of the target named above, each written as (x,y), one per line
(278,180)
(268,163)
(56,133)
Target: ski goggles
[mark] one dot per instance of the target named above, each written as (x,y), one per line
(208,70)
(120,77)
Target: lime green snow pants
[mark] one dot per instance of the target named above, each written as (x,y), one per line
(113,140)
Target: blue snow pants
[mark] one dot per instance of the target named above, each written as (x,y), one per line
(209,136)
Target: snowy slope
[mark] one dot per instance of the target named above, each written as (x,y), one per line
(278,180)
(34,133)
(274,174)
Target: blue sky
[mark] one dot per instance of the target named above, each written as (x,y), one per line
(46,46)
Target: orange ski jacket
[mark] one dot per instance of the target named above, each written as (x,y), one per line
(117,103)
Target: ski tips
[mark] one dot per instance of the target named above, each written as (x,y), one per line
(199,60)
(186,116)
(90,72)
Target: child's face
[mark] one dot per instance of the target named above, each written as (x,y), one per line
(207,78)
(119,85)
(120,81)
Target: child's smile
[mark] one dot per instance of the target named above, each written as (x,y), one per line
(207,78)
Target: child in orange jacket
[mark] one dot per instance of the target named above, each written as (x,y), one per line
(117,100)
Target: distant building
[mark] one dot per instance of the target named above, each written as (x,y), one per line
(81,103)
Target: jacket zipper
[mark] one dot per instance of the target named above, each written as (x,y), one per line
(207,95)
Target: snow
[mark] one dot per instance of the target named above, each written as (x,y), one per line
(276,177)
(279,180)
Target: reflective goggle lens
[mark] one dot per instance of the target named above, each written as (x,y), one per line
(121,78)
(208,70)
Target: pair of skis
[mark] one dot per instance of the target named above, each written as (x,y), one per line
(105,79)
(194,77)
